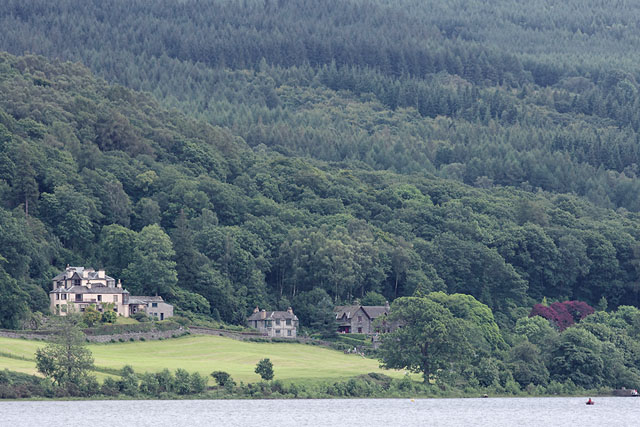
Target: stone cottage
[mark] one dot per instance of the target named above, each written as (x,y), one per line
(277,324)
(359,319)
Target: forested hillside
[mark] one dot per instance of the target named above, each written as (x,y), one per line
(535,95)
(320,150)
(95,174)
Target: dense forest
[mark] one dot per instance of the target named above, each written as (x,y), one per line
(228,154)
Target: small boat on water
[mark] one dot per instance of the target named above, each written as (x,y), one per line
(590,402)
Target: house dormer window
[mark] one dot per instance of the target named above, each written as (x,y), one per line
(76,282)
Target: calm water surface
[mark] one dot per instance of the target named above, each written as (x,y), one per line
(608,411)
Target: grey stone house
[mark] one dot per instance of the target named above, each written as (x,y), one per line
(276,324)
(153,306)
(359,319)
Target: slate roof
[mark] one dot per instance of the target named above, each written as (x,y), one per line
(373,311)
(273,315)
(348,310)
(93,290)
(143,299)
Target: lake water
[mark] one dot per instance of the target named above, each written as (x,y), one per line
(608,411)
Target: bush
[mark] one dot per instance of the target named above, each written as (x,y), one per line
(128,383)
(198,383)
(181,382)
(222,378)
(149,384)
(165,381)
(141,316)
(110,387)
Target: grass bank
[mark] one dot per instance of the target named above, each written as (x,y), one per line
(305,364)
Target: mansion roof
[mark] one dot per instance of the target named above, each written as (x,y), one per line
(92,290)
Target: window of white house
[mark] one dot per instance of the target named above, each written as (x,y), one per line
(268,323)
(289,332)
(277,331)
(99,297)
(78,297)
(77,282)
(64,296)
(359,318)
(115,298)
(154,304)
(288,322)
(359,330)
(255,324)
(57,296)
(278,322)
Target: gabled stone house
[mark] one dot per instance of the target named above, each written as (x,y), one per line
(77,288)
(276,324)
(359,319)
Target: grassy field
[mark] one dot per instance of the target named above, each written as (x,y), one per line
(204,354)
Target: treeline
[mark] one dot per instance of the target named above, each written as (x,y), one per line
(550,101)
(102,176)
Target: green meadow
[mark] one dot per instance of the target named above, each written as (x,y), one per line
(292,362)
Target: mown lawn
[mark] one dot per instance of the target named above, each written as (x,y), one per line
(204,354)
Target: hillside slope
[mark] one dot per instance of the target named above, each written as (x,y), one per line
(100,175)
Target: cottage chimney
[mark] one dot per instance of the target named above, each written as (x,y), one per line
(255,310)
(119,283)
(101,274)
(263,314)
(387,307)
(290,310)
(89,284)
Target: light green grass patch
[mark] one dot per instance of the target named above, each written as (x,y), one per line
(204,354)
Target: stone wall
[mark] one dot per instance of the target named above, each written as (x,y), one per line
(126,336)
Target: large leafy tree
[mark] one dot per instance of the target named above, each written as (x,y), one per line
(66,360)
(428,338)
(13,306)
(152,269)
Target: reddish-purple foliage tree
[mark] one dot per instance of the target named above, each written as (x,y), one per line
(563,314)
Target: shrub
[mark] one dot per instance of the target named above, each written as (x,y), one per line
(198,383)
(563,314)
(149,384)
(181,382)
(128,381)
(222,378)
(110,387)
